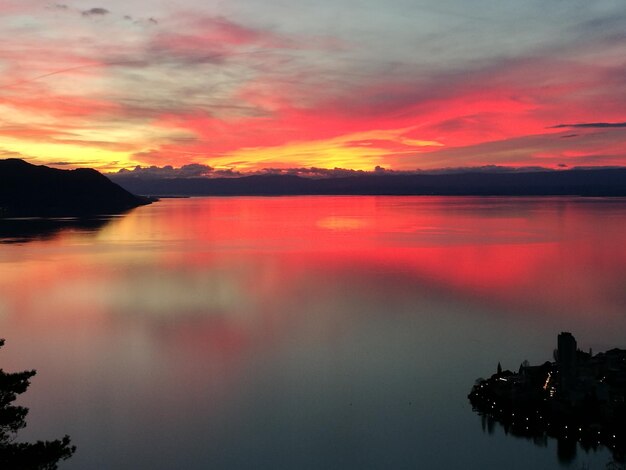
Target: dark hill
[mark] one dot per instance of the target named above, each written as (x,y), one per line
(30,190)
(576,182)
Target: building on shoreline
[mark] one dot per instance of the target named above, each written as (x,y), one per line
(578,396)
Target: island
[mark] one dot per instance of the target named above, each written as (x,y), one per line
(28,190)
(577,398)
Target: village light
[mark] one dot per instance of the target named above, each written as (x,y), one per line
(556,393)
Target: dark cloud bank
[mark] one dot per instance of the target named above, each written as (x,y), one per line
(197,170)
(96,12)
(192,170)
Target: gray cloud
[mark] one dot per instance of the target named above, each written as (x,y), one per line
(193,170)
(96,12)
(312,172)
(591,125)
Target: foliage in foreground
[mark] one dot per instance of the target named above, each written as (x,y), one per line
(41,455)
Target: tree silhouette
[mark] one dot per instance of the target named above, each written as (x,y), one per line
(41,455)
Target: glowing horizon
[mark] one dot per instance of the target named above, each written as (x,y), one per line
(329,85)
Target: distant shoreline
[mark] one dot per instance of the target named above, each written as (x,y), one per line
(576,183)
(616,199)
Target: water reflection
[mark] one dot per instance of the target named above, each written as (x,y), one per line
(21,230)
(568,447)
(304,332)
(529,424)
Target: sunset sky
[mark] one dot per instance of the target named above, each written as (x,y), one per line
(249,84)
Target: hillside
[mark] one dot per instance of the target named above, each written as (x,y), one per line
(30,190)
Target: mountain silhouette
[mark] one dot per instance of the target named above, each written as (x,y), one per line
(38,191)
(575,182)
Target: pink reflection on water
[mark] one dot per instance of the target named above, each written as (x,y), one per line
(558,255)
(548,251)
(179,308)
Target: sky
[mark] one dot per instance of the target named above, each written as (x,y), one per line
(246,85)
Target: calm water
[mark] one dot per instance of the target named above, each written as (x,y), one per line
(305,332)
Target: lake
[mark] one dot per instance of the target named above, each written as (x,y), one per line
(305,332)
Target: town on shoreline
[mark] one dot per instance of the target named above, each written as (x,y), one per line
(579,398)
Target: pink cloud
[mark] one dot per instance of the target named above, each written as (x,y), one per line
(59,106)
(502,111)
(279,94)
(213,38)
